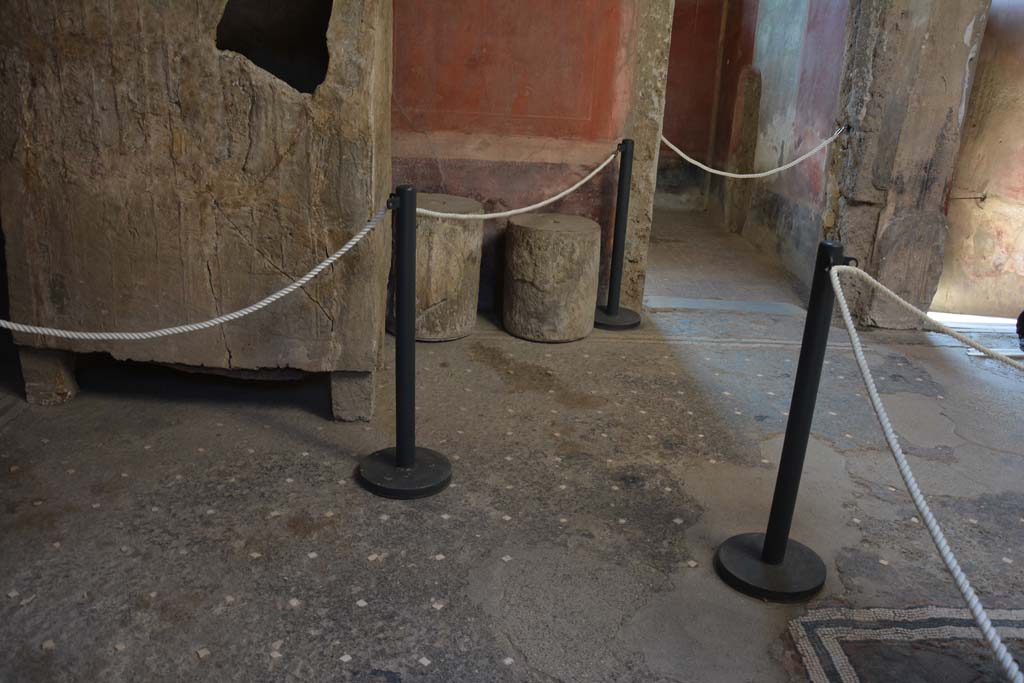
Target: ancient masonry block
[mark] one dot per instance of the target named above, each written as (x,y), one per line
(165,162)
(352,396)
(49,376)
(551,273)
(447,268)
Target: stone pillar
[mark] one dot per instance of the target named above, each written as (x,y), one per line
(908,75)
(736,193)
(49,376)
(551,270)
(352,396)
(650,74)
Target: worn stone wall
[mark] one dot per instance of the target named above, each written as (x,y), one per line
(148,178)
(983,270)
(647,108)
(907,79)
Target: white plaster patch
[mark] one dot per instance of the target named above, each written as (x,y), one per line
(969,32)
(966,85)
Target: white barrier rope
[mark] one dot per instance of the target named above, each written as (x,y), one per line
(928,320)
(763,174)
(525,209)
(1005,659)
(212,322)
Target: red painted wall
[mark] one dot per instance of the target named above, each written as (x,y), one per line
(801,79)
(508,101)
(512,67)
(690,91)
(737,53)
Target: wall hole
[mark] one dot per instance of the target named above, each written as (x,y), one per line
(287,38)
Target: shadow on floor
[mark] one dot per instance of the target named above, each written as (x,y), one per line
(100,374)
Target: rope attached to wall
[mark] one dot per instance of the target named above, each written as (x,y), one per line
(763,174)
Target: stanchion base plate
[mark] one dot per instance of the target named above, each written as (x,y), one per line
(378,474)
(798,578)
(625,319)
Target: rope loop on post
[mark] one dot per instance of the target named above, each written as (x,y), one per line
(762,174)
(1010,668)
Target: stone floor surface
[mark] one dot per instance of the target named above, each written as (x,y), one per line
(167,527)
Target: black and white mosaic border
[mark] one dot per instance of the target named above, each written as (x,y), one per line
(819,634)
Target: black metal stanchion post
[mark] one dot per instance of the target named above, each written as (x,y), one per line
(771,566)
(613,316)
(405,471)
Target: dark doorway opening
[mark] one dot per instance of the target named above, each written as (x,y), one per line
(288,39)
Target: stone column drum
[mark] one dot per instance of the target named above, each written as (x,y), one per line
(447,269)
(551,272)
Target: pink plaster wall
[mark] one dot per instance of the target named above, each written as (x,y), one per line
(817,98)
(511,67)
(983,270)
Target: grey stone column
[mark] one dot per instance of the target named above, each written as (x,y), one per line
(907,78)
(650,71)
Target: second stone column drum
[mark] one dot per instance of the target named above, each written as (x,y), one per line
(551,271)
